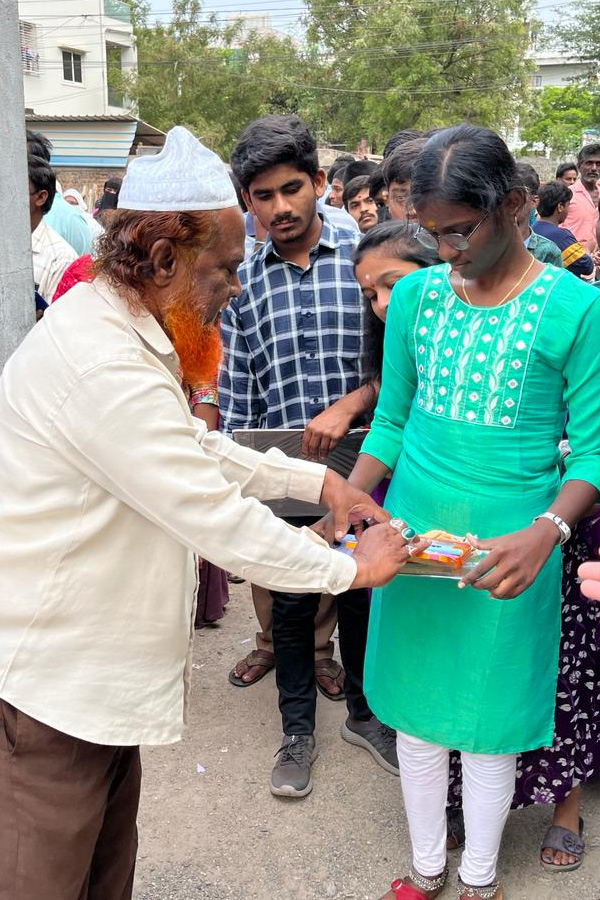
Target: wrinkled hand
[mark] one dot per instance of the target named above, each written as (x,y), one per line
(589,573)
(516,560)
(324,432)
(381,553)
(348,506)
(325,527)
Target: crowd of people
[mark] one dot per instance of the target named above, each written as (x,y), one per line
(434,316)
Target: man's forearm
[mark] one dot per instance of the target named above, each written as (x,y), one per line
(360,401)
(266,476)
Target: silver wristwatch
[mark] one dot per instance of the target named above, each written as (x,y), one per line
(565,531)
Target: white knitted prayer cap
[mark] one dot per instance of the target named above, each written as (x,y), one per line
(184,176)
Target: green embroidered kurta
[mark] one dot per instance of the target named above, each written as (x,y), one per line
(471,410)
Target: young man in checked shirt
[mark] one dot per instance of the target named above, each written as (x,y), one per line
(292,347)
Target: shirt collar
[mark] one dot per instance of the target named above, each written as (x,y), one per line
(531,240)
(38,235)
(580,188)
(145,325)
(329,238)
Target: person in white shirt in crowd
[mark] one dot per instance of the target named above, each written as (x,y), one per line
(66,220)
(51,254)
(109,488)
(74,198)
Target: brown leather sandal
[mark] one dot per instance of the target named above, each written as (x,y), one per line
(329,670)
(261,659)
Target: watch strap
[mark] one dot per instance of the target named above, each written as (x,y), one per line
(565,531)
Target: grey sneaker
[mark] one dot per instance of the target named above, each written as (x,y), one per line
(375,737)
(291,774)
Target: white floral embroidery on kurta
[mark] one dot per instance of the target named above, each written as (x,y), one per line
(459,346)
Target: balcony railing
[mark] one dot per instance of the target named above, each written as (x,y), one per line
(116,9)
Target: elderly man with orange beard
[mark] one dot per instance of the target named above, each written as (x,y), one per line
(109,488)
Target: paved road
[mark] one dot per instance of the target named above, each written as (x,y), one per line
(219,834)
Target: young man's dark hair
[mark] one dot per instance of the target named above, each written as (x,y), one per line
(376,182)
(340,162)
(588,150)
(356,168)
(238,191)
(399,165)
(401,137)
(38,145)
(273,141)
(354,187)
(551,195)
(42,178)
(528,178)
(564,168)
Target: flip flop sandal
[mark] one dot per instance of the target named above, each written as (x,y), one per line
(262,658)
(235,579)
(455,823)
(330,669)
(565,841)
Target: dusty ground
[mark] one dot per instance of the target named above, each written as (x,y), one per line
(217,833)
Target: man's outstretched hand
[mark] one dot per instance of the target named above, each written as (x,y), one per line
(381,553)
(348,506)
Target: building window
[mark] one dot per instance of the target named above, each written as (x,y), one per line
(30,58)
(72,66)
(537,81)
(114,71)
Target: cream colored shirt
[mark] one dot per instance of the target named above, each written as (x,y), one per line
(51,256)
(108,487)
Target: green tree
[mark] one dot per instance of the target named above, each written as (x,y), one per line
(557,119)
(421,63)
(214,80)
(364,68)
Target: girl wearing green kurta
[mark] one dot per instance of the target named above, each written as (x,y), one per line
(483,358)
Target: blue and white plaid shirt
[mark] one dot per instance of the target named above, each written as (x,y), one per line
(293,339)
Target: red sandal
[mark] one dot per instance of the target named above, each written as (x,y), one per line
(421,888)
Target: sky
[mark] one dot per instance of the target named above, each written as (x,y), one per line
(284,14)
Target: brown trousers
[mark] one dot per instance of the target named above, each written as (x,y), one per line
(67,814)
(325,622)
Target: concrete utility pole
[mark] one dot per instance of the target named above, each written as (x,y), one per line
(17,307)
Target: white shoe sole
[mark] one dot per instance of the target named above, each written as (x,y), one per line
(287,790)
(359,741)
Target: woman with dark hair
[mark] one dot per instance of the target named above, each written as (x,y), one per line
(483,355)
(384,256)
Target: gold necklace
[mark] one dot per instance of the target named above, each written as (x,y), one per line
(512,290)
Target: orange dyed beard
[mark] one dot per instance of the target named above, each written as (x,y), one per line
(197,344)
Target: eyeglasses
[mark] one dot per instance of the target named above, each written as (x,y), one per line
(456,241)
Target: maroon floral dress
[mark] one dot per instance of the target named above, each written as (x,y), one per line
(548,775)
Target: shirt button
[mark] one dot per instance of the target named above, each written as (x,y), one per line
(308,315)
(315,399)
(312,355)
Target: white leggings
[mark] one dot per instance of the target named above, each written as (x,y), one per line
(488,789)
